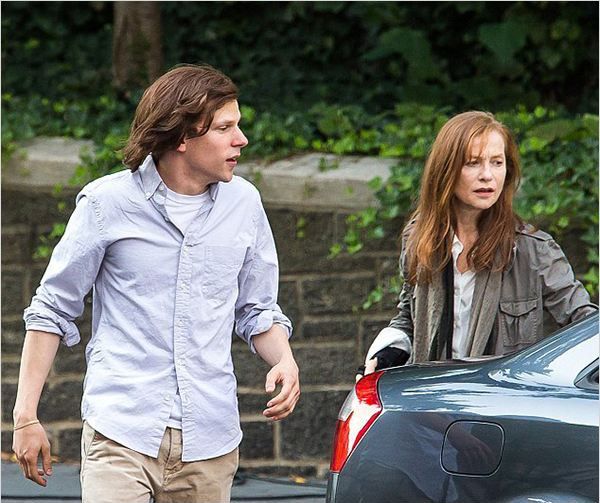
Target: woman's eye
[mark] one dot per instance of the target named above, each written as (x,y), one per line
(472,163)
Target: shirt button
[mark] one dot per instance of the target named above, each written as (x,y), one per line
(148,194)
(165,398)
(166,219)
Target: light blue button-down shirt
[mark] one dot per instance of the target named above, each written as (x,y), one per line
(164,307)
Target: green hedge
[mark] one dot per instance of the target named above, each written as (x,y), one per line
(292,54)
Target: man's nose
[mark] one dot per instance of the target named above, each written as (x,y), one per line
(240,139)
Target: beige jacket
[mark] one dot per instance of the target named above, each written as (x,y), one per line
(507,309)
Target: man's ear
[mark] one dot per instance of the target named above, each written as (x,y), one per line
(182,147)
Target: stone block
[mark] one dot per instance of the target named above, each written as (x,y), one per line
(62,401)
(17,245)
(13,335)
(43,162)
(250,369)
(388,276)
(300,180)
(7,437)
(37,271)
(301,238)
(308,432)
(13,285)
(252,403)
(34,208)
(336,294)
(289,302)
(330,330)
(304,240)
(370,329)
(389,243)
(327,365)
(10,369)
(258,440)
(69,443)
(9,393)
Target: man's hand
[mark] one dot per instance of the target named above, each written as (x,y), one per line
(286,374)
(274,348)
(28,444)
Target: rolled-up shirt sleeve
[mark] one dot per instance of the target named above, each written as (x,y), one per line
(256,309)
(71,272)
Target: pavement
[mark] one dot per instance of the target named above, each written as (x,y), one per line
(63,487)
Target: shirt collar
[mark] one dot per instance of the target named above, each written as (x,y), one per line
(457,246)
(151,179)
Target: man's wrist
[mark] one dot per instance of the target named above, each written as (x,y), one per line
(20,417)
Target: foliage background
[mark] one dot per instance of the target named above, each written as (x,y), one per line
(343,77)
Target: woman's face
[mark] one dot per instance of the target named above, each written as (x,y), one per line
(482,177)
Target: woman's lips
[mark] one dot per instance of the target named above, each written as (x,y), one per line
(485,192)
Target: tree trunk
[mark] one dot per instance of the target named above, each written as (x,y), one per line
(137,50)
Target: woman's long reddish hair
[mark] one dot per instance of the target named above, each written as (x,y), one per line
(429,244)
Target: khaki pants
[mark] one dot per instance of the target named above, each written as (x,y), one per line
(112,473)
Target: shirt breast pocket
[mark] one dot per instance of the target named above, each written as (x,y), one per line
(519,322)
(222,265)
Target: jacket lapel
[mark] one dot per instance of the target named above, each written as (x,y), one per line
(486,296)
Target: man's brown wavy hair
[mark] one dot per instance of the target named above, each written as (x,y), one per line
(171,109)
(429,245)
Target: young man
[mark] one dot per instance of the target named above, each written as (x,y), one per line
(177,251)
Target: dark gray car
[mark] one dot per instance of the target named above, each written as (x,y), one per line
(518,428)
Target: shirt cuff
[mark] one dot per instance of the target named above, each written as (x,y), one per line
(264,321)
(389,337)
(46,320)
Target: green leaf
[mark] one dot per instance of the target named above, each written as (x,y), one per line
(550,131)
(504,39)
(413,46)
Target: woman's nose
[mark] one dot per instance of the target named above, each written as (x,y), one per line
(486,171)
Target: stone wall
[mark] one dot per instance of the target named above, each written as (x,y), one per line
(307,209)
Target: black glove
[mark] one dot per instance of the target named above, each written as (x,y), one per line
(390,357)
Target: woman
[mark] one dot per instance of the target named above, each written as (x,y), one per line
(476,278)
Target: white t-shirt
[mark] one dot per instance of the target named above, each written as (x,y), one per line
(182,209)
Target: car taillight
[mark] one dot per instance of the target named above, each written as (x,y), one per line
(357,414)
